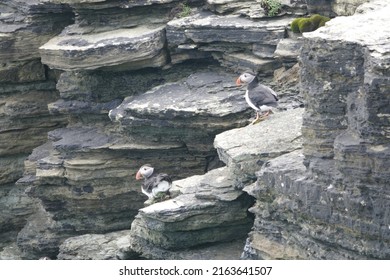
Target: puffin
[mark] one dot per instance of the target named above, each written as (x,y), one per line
(259,97)
(155,185)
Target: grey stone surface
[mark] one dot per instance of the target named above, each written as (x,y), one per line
(104,49)
(253,9)
(331,200)
(116,245)
(245,150)
(206,27)
(174,225)
(25,89)
(40,236)
(191,111)
(88,169)
(95,246)
(24,28)
(323,7)
(288,49)
(225,37)
(11,252)
(346,7)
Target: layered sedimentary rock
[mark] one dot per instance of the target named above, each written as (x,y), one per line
(254,9)
(331,200)
(138,45)
(26,87)
(245,150)
(162,230)
(96,246)
(190,112)
(166,229)
(346,7)
(334,7)
(131,93)
(88,170)
(116,245)
(26,26)
(236,42)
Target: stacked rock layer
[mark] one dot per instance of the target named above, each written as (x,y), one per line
(331,200)
(93,89)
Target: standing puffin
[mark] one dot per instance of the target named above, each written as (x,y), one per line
(259,97)
(155,185)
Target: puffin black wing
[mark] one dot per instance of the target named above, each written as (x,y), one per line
(262,95)
(153,182)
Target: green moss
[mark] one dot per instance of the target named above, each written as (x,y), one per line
(305,25)
(318,20)
(322,22)
(300,25)
(294,25)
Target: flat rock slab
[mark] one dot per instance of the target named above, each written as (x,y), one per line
(206,27)
(92,51)
(205,94)
(127,5)
(95,246)
(245,149)
(11,252)
(288,49)
(359,30)
(242,62)
(199,185)
(192,111)
(23,29)
(115,245)
(208,209)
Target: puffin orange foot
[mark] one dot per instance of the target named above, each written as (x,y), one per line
(258,120)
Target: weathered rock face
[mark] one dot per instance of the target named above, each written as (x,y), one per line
(334,7)
(164,230)
(190,112)
(87,171)
(346,7)
(138,45)
(323,7)
(331,201)
(173,225)
(244,155)
(96,246)
(26,26)
(84,175)
(116,245)
(237,42)
(253,9)
(25,89)
(123,77)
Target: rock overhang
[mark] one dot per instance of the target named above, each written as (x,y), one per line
(104,49)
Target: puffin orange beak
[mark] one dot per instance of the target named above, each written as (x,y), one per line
(138,176)
(238,82)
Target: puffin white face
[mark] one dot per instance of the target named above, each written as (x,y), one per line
(144,172)
(245,79)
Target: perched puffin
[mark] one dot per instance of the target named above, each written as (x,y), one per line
(155,185)
(259,97)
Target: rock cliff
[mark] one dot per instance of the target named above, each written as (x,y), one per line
(90,90)
(330,200)
(26,87)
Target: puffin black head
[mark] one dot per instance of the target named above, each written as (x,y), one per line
(144,172)
(246,78)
